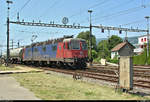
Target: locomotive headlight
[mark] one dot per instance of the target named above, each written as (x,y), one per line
(81,53)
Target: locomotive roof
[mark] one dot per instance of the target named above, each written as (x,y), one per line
(71,39)
(46,42)
(54,41)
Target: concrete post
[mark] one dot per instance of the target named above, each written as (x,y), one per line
(126,72)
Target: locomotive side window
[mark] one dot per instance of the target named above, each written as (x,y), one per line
(54,48)
(75,44)
(35,49)
(44,48)
(84,45)
(29,52)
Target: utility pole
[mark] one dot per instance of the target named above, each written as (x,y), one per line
(108,34)
(8,2)
(12,43)
(90,39)
(126,36)
(147,18)
(1,52)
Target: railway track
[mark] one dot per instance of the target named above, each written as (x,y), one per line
(136,72)
(103,74)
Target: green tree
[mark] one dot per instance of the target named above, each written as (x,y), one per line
(94,54)
(85,35)
(104,47)
(113,41)
(103,50)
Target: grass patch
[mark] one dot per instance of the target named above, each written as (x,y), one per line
(141,59)
(55,87)
(3,68)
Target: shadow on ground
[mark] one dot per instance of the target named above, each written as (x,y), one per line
(139,93)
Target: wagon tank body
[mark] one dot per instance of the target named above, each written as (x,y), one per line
(16,55)
(16,52)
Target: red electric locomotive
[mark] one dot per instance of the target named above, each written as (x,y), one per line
(73,51)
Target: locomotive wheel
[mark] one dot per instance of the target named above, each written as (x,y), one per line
(50,64)
(66,66)
(60,65)
(42,63)
(37,64)
(71,66)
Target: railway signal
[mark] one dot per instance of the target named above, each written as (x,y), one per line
(102,30)
(120,31)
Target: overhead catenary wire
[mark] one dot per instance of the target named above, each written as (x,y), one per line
(119,5)
(120,12)
(26,3)
(37,32)
(143,3)
(50,33)
(98,4)
(137,21)
(51,6)
(135,9)
(85,10)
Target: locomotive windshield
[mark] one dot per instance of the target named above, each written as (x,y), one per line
(75,45)
(84,45)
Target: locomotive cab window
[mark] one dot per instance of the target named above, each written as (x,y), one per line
(84,45)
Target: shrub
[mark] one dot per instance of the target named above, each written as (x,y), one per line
(113,61)
(97,60)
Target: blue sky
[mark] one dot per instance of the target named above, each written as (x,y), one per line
(106,12)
